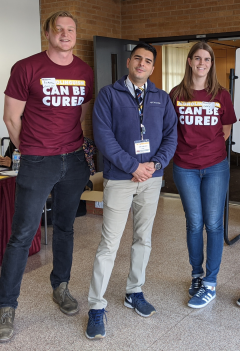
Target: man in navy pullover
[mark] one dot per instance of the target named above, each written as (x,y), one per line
(135,128)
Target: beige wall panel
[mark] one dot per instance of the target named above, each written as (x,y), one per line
(220,52)
(221,68)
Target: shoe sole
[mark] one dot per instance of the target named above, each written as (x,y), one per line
(138,312)
(96,337)
(238,303)
(65,312)
(200,306)
(7,339)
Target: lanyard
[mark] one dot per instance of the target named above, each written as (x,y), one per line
(140,108)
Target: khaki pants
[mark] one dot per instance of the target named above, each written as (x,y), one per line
(118,197)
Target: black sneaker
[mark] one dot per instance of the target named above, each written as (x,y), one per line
(195,286)
(95,327)
(138,302)
(238,302)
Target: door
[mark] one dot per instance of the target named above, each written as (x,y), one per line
(110,57)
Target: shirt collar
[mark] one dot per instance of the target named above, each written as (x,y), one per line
(129,85)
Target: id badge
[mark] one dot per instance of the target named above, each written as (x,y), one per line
(48,82)
(142,146)
(208,105)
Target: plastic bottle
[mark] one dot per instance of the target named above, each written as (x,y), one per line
(16,160)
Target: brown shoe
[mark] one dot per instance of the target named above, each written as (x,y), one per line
(7,315)
(64,299)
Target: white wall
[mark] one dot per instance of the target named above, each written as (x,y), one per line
(236,126)
(20,38)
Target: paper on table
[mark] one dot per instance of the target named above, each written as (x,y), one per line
(9,173)
(4,169)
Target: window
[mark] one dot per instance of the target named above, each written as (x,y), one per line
(173,66)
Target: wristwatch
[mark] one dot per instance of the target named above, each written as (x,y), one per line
(157,165)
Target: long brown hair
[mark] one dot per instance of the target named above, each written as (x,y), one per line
(184,91)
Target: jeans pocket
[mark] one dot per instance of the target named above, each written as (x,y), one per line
(105,183)
(225,163)
(178,169)
(80,155)
(222,166)
(32,158)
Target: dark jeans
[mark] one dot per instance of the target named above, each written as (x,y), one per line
(203,194)
(65,176)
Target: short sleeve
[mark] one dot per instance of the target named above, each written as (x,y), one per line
(228,116)
(90,86)
(18,87)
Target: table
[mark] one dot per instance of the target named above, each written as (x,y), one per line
(7,199)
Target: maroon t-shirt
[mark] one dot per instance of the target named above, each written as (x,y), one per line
(53,94)
(201,141)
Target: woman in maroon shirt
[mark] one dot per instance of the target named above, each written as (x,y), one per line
(201,171)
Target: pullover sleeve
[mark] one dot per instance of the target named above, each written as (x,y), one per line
(104,137)
(169,136)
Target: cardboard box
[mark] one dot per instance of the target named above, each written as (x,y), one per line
(94,198)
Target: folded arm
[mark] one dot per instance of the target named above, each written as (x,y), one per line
(104,137)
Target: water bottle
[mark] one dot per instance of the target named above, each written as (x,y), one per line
(16,160)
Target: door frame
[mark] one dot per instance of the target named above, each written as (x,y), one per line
(188,38)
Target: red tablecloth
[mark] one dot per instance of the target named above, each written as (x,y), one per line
(7,198)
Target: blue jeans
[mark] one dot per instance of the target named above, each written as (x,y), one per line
(203,194)
(65,176)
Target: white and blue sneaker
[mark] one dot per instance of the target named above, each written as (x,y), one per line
(95,327)
(140,305)
(202,298)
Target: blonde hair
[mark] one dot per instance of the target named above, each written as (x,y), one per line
(50,22)
(184,91)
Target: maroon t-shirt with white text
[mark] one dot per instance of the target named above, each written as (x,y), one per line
(201,141)
(54,95)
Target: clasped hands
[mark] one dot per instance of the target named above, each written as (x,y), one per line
(143,172)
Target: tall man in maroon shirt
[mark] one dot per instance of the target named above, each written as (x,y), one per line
(51,91)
